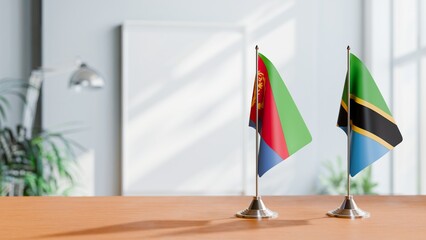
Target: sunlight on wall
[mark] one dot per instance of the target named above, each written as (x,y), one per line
(266,14)
(284,36)
(394,48)
(405,33)
(423,129)
(423,24)
(405,111)
(202,54)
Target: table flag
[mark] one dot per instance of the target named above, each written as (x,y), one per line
(373,129)
(281,127)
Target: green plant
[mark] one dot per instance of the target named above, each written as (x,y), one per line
(33,166)
(334,181)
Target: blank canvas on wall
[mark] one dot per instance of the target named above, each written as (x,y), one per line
(182,109)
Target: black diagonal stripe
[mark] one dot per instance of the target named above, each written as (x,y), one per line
(369,120)
(342,120)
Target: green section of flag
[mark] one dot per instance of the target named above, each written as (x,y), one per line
(295,131)
(363,85)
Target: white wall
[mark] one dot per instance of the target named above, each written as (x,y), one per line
(395,59)
(312,36)
(340,23)
(15,47)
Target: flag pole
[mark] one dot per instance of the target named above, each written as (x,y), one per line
(257,208)
(348,209)
(257,121)
(349,122)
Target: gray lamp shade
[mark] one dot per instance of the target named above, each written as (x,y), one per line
(86,77)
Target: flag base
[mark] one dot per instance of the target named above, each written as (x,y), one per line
(257,209)
(348,209)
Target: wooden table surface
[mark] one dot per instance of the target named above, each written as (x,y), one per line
(392,217)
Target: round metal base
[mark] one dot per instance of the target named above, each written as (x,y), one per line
(257,209)
(348,209)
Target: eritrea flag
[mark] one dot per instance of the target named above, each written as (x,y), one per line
(281,127)
(373,129)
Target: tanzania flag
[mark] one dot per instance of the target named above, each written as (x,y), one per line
(373,129)
(281,126)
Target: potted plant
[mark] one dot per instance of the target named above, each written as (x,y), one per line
(334,180)
(33,166)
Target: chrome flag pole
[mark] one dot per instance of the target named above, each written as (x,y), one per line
(348,209)
(257,121)
(257,208)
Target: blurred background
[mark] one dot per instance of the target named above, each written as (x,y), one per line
(172,117)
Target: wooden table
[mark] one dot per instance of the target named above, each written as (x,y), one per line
(392,217)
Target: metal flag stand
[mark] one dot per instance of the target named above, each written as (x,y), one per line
(348,209)
(257,208)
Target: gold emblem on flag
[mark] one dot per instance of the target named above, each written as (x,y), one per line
(260,91)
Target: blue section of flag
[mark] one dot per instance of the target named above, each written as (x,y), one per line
(268,158)
(253,124)
(364,151)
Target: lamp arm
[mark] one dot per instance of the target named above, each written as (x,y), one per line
(31,100)
(49,72)
(83,76)
(33,93)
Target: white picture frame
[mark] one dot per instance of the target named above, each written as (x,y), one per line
(152,167)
